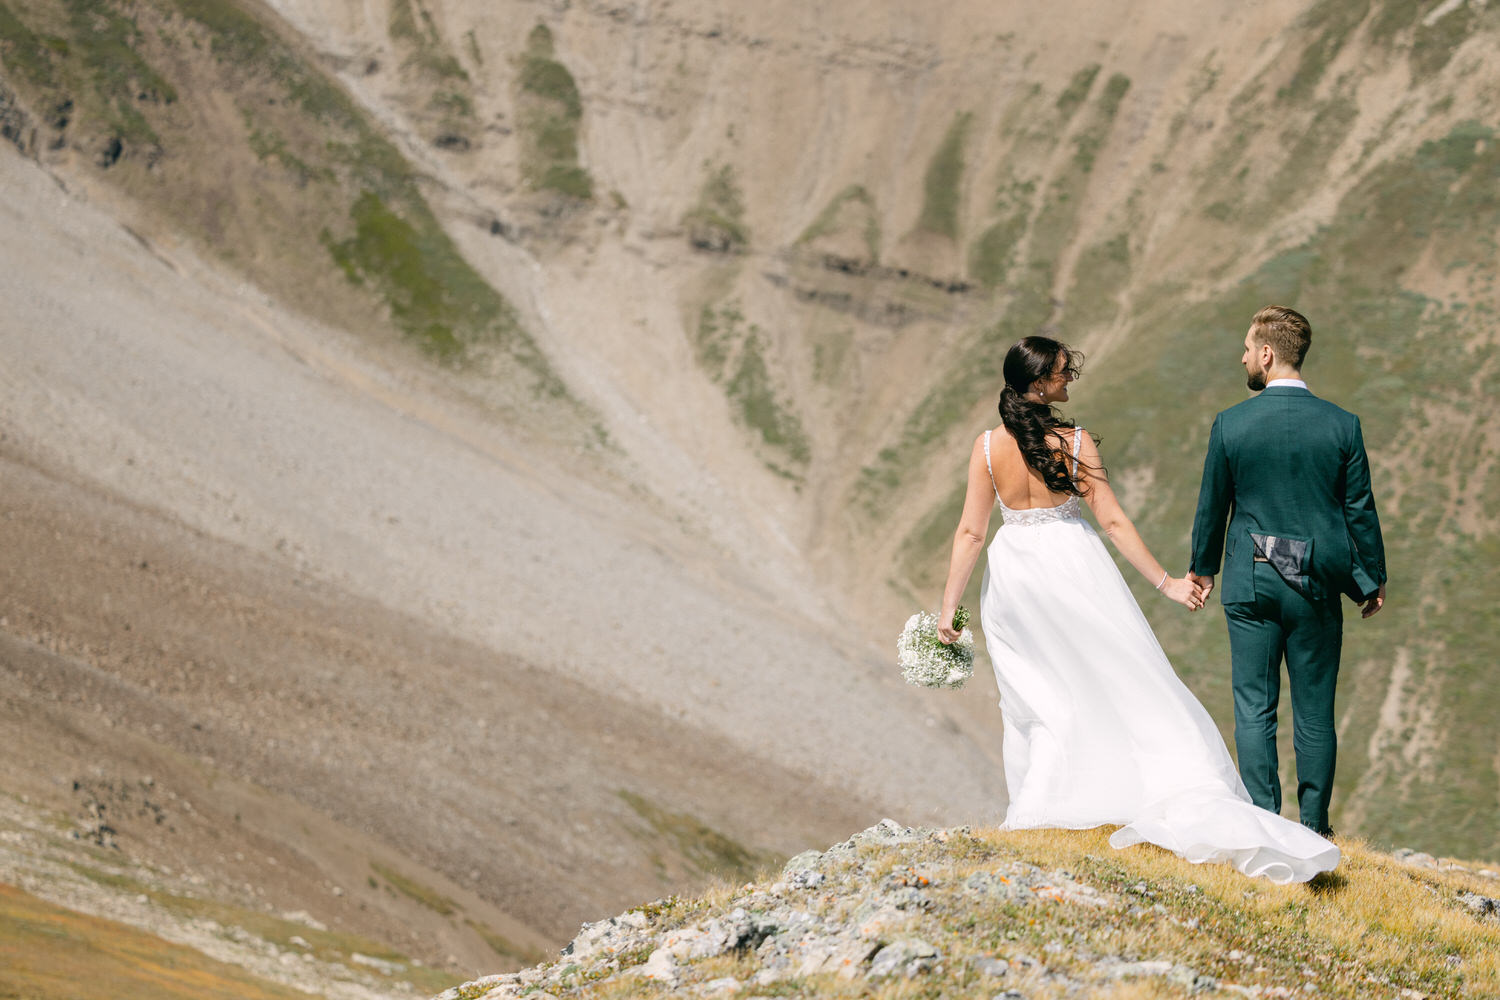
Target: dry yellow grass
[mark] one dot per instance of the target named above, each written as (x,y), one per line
(51,953)
(1374,917)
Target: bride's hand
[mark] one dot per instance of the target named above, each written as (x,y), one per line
(947,634)
(1185,592)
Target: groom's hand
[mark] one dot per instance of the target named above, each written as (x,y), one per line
(1374,604)
(1205,582)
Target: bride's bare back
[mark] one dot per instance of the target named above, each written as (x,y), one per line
(1019,485)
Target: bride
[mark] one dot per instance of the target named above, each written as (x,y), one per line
(1098,729)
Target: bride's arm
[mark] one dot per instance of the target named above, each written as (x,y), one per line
(968,540)
(1111,517)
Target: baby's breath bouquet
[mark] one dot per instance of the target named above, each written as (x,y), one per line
(926,661)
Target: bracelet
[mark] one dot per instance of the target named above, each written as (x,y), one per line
(1163,579)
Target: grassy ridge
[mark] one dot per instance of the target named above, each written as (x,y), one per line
(1059,913)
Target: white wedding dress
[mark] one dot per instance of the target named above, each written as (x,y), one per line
(1098,728)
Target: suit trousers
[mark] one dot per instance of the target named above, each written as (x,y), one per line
(1309,634)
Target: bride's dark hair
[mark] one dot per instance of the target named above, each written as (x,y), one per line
(1031,360)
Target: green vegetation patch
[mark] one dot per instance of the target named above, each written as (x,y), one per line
(434,296)
(1103,270)
(268,144)
(706,849)
(718,335)
(1328,25)
(942,185)
(831,350)
(412,24)
(853,204)
(992,255)
(1309,148)
(759,407)
(717,221)
(107,42)
(415,891)
(1077,90)
(1088,141)
(551,110)
(97,62)
(1433,46)
(23,51)
(733,354)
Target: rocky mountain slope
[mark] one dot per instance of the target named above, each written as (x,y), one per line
(547,409)
(900,912)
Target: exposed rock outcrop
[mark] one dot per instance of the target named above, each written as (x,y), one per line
(967,912)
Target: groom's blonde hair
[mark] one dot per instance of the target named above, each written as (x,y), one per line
(1286,330)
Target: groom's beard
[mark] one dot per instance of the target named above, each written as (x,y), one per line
(1256,380)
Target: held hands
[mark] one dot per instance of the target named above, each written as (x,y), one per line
(1186,591)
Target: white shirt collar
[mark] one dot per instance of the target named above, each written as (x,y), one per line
(1297,382)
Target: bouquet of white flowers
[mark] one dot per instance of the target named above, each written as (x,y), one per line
(926,661)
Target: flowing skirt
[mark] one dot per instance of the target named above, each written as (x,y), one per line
(1098,728)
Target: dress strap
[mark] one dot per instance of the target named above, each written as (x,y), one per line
(1077,440)
(988,468)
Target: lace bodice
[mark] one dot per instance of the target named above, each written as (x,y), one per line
(1030,516)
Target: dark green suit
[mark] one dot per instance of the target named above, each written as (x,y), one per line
(1287,473)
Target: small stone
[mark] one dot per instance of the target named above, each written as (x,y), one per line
(887,833)
(1480,906)
(379,964)
(661,967)
(806,879)
(907,958)
(724,984)
(1131,969)
(987,966)
(805,861)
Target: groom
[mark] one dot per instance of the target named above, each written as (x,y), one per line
(1288,473)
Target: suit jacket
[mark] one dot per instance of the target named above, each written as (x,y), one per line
(1287,472)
